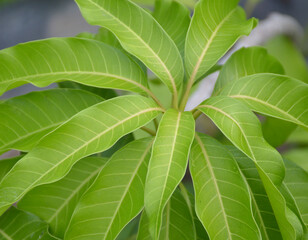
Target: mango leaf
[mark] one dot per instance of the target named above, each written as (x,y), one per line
(16,224)
(298,156)
(167,164)
(246,62)
(222,197)
(140,35)
(296,181)
(115,197)
(23,125)
(175,19)
(6,165)
(243,129)
(262,209)
(215,27)
(93,130)
(273,95)
(178,222)
(55,202)
(80,60)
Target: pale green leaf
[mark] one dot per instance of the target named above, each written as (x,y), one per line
(215,27)
(175,19)
(18,225)
(93,130)
(80,60)
(262,209)
(55,202)
(26,119)
(140,35)
(178,221)
(298,156)
(115,197)
(222,198)
(167,164)
(243,129)
(245,62)
(296,181)
(6,165)
(272,95)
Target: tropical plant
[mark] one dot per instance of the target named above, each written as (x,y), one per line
(66,185)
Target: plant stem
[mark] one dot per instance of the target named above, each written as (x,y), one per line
(186,94)
(151,94)
(156,123)
(149,131)
(196,114)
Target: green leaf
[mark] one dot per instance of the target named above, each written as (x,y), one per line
(175,19)
(215,27)
(296,181)
(16,224)
(246,62)
(178,221)
(167,164)
(243,129)
(140,35)
(262,209)
(6,165)
(222,198)
(26,119)
(55,202)
(93,130)
(273,95)
(115,197)
(298,156)
(80,60)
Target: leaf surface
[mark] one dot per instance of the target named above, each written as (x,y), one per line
(93,130)
(80,60)
(216,25)
(273,95)
(243,129)
(55,202)
(140,35)
(222,197)
(167,164)
(115,197)
(27,118)
(6,165)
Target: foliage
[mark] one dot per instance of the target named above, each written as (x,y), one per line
(85,172)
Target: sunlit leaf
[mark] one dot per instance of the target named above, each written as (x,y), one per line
(6,165)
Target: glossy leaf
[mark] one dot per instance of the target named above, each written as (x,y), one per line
(23,125)
(115,197)
(167,164)
(242,128)
(16,224)
(93,130)
(222,197)
(175,19)
(140,35)
(262,209)
(178,222)
(273,95)
(216,25)
(55,202)
(246,62)
(80,60)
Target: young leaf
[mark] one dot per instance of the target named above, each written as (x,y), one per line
(246,62)
(273,95)
(242,128)
(178,222)
(23,125)
(115,197)
(167,164)
(16,224)
(215,27)
(93,130)
(55,202)
(84,61)
(175,19)
(222,197)
(262,209)
(140,35)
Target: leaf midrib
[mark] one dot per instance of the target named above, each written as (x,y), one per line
(215,183)
(5,235)
(144,43)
